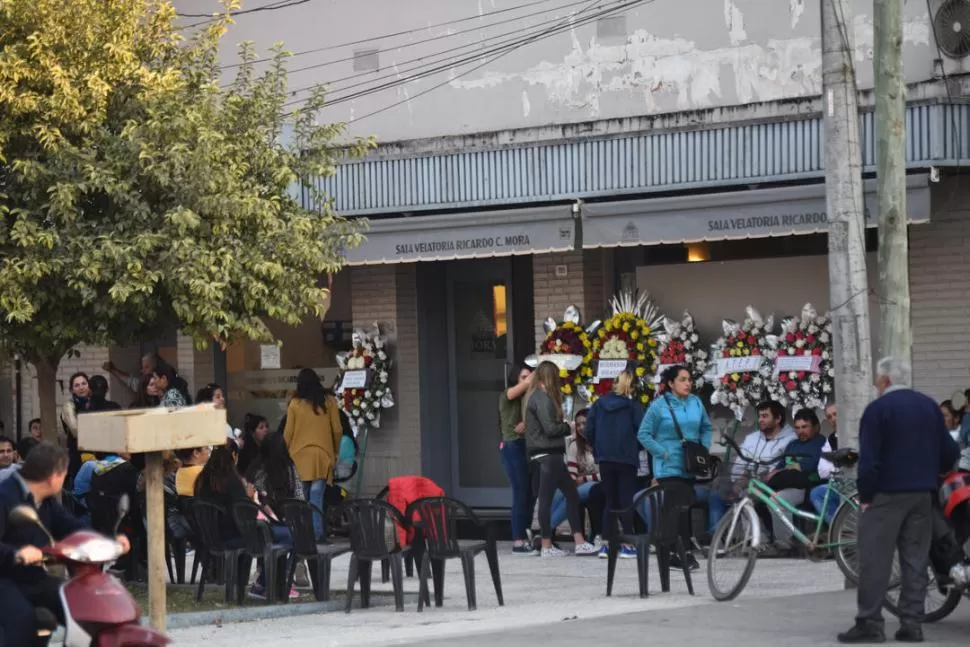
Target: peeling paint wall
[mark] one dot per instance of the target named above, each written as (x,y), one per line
(675,55)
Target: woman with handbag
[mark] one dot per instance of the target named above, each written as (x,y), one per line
(677,432)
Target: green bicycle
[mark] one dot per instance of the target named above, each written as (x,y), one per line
(738,537)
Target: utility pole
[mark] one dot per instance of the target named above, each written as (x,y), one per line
(897,335)
(848,283)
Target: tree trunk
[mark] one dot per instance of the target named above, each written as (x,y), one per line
(47,393)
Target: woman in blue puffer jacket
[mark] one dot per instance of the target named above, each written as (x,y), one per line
(658,434)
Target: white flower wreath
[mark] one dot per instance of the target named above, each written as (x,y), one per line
(363,405)
(739,389)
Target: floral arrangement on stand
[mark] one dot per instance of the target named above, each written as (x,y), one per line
(742,362)
(804,375)
(567,344)
(365,400)
(630,334)
(682,346)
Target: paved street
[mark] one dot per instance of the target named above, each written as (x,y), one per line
(797,601)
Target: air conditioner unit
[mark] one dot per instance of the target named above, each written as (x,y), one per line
(951,27)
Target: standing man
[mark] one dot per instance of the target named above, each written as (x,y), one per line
(904,446)
(832,417)
(148,364)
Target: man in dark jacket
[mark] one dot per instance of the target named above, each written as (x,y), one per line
(904,446)
(24,584)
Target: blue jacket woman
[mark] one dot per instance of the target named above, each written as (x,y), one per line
(658,433)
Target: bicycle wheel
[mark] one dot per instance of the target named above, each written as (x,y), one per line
(940,600)
(844,536)
(730,560)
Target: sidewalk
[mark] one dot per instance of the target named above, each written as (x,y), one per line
(537,592)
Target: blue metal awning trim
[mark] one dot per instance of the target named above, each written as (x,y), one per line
(647,162)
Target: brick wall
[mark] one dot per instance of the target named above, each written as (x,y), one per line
(387,294)
(940,293)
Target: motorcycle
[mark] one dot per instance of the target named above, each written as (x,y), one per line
(99,611)
(949,576)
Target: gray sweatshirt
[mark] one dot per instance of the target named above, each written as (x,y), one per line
(544,432)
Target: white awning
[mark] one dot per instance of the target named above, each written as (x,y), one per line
(756,213)
(466,235)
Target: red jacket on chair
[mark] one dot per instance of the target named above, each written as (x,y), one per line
(402,491)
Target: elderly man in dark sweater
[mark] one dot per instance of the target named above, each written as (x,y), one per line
(904,446)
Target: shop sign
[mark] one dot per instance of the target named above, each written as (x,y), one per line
(774,222)
(728,365)
(495,244)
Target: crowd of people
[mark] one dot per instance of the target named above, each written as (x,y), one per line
(313,446)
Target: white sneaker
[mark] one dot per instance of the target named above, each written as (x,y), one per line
(586,549)
(598,541)
(552,551)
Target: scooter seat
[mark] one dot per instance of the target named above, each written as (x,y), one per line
(844,457)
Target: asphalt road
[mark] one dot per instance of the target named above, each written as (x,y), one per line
(793,621)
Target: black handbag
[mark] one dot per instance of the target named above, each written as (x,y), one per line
(697,460)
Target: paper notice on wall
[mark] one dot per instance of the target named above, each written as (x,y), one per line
(269,356)
(799,363)
(728,365)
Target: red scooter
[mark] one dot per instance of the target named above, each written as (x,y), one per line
(99,611)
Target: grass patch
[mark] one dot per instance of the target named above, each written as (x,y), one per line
(181,598)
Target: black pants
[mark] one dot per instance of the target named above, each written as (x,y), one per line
(619,483)
(595,505)
(18,624)
(553,476)
(678,496)
(894,522)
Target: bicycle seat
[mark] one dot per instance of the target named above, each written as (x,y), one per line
(844,457)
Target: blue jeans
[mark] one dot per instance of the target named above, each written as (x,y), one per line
(315,491)
(559,504)
(516,467)
(817,495)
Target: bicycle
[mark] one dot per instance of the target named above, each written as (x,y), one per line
(738,535)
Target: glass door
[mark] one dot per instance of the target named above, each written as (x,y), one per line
(480,344)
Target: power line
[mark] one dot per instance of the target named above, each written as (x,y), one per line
(422,42)
(435,56)
(406,32)
(429,69)
(525,42)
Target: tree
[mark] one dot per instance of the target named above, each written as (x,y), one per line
(136,193)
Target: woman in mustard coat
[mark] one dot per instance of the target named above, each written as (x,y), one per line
(312,434)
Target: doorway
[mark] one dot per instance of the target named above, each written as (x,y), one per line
(482,349)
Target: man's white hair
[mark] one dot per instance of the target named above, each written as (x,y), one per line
(897,370)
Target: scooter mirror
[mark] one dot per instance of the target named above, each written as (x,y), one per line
(24,514)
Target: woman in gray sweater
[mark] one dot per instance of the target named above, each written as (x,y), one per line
(545,439)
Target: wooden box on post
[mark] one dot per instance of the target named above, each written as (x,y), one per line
(151,432)
(141,431)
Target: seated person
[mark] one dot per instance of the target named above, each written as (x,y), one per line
(793,477)
(9,455)
(766,444)
(191,463)
(24,584)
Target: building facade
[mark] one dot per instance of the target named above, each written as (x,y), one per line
(534,155)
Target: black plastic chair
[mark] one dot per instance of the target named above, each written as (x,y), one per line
(258,541)
(438,519)
(410,559)
(657,535)
(298,515)
(103,508)
(208,518)
(373,526)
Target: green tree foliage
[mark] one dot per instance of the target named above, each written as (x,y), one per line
(137,192)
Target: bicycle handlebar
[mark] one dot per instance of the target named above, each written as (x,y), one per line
(727,441)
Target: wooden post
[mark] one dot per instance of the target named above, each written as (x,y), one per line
(157,576)
(897,336)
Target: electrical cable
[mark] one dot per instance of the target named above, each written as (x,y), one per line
(467,72)
(500,49)
(273,6)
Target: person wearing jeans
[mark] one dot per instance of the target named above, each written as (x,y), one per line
(312,434)
(512,453)
(581,466)
(612,431)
